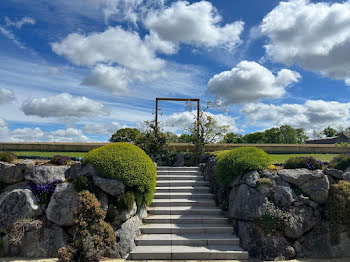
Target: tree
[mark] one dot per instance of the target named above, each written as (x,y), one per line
(172,138)
(273,136)
(301,135)
(254,138)
(187,138)
(232,138)
(329,131)
(125,135)
(288,134)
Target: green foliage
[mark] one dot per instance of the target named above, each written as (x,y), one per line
(232,138)
(265,181)
(338,203)
(344,144)
(92,234)
(340,162)
(254,138)
(82,183)
(139,199)
(168,157)
(274,219)
(238,161)
(128,164)
(60,160)
(303,162)
(128,135)
(7,156)
(171,137)
(186,138)
(329,132)
(125,201)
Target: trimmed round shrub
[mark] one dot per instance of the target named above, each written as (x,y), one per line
(303,162)
(7,156)
(128,164)
(238,161)
(340,162)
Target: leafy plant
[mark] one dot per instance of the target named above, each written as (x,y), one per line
(303,162)
(265,181)
(93,236)
(238,161)
(274,219)
(340,162)
(44,192)
(128,135)
(125,201)
(60,160)
(126,163)
(7,156)
(82,183)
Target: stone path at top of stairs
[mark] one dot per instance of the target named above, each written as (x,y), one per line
(184,222)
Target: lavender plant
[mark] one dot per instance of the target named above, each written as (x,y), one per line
(60,160)
(274,219)
(303,162)
(44,192)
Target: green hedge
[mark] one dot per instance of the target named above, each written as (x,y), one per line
(238,161)
(128,164)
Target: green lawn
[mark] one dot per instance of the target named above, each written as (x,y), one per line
(280,158)
(49,154)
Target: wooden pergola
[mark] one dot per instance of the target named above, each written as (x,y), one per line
(179,99)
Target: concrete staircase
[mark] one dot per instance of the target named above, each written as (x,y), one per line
(184,222)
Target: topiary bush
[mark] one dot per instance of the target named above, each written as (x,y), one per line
(303,162)
(7,156)
(340,162)
(60,160)
(238,161)
(128,164)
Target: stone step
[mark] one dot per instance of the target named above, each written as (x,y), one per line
(168,228)
(186,219)
(181,210)
(200,239)
(177,183)
(183,202)
(184,195)
(182,168)
(211,252)
(182,189)
(176,173)
(179,177)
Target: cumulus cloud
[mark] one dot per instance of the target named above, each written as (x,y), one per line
(313,114)
(63,105)
(67,135)
(23,21)
(114,45)
(249,82)
(26,135)
(6,96)
(198,23)
(315,36)
(102,129)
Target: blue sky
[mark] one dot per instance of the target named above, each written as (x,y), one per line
(79,70)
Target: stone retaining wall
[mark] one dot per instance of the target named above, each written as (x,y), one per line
(301,193)
(44,228)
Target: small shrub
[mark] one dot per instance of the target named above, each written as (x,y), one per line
(238,161)
(265,181)
(82,183)
(60,160)
(139,199)
(44,192)
(128,164)
(272,167)
(125,201)
(340,162)
(93,235)
(168,158)
(303,162)
(7,156)
(274,219)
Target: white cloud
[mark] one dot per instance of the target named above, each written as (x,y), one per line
(315,36)
(23,21)
(26,134)
(102,129)
(114,45)
(63,105)
(250,81)
(67,135)
(8,34)
(313,114)
(6,96)
(197,23)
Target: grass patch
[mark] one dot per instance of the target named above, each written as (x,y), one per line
(49,154)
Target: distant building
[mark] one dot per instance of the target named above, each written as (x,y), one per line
(340,138)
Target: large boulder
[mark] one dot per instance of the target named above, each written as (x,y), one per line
(44,242)
(126,235)
(284,195)
(25,164)
(246,203)
(123,215)
(303,219)
(336,173)
(250,178)
(142,211)
(10,173)
(296,176)
(15,205)
(263,246)
(110,186)
(63,204)
(41,175)
(317,189)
